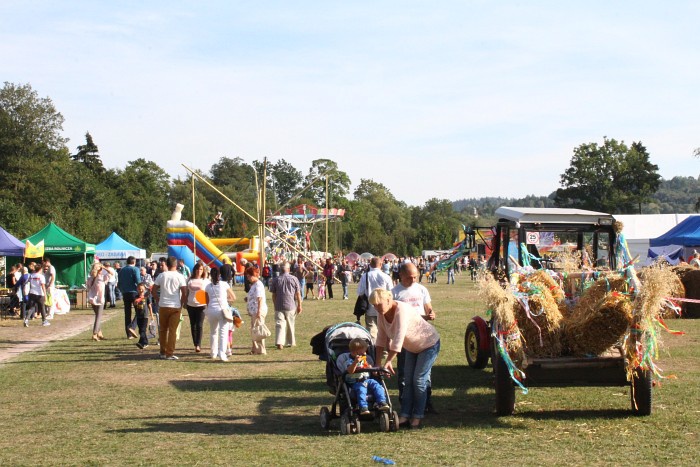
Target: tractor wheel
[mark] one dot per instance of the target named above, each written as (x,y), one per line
(641,392)
(476,356)
(505,390)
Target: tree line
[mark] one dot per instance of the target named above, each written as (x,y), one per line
(44,180)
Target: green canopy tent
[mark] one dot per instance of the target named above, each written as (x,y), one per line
(71,256)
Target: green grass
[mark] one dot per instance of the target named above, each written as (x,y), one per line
(108,403)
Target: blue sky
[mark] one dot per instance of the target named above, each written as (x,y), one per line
(451,99)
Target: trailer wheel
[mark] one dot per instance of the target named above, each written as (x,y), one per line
(476,356)
(641,392)
(505,390)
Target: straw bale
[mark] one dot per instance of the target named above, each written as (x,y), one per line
(541,328)
(591,298)
(600,327)
(661,283)
(690,278)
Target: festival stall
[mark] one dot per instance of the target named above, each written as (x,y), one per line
(70,256)
(9,246)
(116,248)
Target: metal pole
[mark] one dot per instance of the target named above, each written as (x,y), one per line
(219,192)
(194,225)
(327,213)
(261,216)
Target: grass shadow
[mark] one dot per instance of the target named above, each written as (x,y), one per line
(577,414)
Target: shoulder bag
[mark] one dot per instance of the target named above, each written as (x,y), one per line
(362,302)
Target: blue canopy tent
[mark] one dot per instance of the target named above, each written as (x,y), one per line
(685,234)
(115,248)
(9,245)
(671,253)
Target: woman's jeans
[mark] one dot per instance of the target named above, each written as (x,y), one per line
(417,369)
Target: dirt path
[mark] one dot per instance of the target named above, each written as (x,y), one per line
(15,339)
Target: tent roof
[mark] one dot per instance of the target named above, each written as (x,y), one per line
(116,247)
(646,226)
(9,245)
(59,242)
(687,233)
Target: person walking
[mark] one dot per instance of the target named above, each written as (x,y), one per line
(373,279)
(129,277)
(195,309)
(329,274)
(98,278)
(286,297)
(218,295)
(171,288)
(37,295)
(257,306)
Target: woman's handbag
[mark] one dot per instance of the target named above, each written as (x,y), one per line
(225,308)
(362,303)
(260,331)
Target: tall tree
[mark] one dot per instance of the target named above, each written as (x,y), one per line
(638,176)
(611,178)
(88,155)
(338,182)
(34,158)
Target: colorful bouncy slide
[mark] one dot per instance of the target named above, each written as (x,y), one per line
(184,239)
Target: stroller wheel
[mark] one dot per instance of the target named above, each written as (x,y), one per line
(384,422)
(325,416)
(394,421)
(345,426)
(355,425)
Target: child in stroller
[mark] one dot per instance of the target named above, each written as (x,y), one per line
(354,362)
(350,405)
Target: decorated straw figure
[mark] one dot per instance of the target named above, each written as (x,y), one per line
(502,304)
(642,346)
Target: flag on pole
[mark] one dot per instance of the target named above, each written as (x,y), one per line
(33,251)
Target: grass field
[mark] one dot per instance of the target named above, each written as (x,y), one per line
(79,402)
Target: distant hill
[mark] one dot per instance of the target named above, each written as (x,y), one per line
(677,195)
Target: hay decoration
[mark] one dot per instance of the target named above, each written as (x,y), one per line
(544,278)
(642,344)
(595,291)
(539,319)
(592,332)
(502,304)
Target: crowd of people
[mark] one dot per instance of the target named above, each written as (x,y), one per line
(155,294)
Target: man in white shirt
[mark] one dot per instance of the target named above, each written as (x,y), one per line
(171,288)
(370,280)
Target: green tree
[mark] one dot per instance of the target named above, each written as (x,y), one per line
(88,154)
(338,183)
(143,189)
(286,181)
(35,161)
(611,178)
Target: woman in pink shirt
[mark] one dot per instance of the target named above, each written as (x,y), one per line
(399,326)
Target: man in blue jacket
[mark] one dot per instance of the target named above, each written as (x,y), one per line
(129,278)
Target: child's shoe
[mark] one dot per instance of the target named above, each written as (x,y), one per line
(364,411)
(382,406)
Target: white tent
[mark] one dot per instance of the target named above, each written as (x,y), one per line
(639,228)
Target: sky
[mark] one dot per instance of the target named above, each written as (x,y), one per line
(446,99)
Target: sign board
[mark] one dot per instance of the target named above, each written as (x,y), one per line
(532,238)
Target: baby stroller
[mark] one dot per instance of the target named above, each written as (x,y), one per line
(345,405)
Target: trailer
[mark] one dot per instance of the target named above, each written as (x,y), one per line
(540,237)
